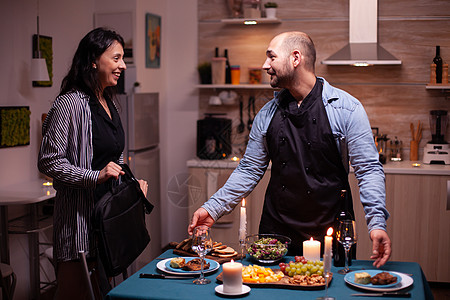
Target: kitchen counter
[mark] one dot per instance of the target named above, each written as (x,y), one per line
(401,167)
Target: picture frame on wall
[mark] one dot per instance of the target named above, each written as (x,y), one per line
(46,48)
(152,41)
(14,126)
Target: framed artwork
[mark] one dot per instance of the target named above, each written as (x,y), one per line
(14,126)
(152,41)
(45,46)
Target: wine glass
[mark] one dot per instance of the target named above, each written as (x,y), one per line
(346,235)
(202,244)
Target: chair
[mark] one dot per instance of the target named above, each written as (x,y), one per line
(7,281)
(87,274)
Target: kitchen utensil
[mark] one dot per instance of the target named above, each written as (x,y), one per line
(437,151)
(385,294)
(251,107)
(162,276)
(241,126)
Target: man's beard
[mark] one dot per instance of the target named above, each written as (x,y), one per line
(282,78)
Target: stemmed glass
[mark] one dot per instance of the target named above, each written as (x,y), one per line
(202,244)
(346,235)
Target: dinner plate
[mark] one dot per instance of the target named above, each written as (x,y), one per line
(164,266)
(404,281)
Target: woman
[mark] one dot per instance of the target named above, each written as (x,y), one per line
(82,147)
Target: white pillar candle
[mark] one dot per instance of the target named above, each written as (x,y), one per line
(328,252)
(311,250)
(243,222)
(232,277)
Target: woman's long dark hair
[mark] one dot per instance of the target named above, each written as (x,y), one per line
(82,76)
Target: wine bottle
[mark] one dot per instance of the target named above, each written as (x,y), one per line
(437,60)
(227,68)
(338,249)
(216,53)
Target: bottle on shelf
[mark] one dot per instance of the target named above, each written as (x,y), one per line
(338,249)
(227,68)
(216,53)
(437,60)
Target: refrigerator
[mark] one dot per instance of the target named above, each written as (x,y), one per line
(140,119)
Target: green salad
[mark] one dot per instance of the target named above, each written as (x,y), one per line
(267,249)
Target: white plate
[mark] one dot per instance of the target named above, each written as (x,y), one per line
(162,265)
(405,282)
(245,290)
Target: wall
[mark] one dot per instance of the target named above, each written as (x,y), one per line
(393,96)
(174,80)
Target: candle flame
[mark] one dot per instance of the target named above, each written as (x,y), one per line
(232,261)
(243,202)
(311,239)
(330,231)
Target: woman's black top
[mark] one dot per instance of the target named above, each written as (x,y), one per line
(108,139)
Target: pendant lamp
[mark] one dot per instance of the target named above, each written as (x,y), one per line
(39,71)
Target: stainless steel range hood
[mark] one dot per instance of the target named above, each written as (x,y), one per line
(363,48)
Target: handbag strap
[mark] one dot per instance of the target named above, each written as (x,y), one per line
(148,206)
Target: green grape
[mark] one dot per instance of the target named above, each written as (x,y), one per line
(319,273)
(310,262)
(321,263)
(298,272)
(308,273)
(321,269)
(304,269)
(293,269)
(317,262)
(291,273)
(288,269)
(309,266)
(300,265)
(314,269)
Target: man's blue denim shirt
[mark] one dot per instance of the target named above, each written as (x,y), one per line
(352,132)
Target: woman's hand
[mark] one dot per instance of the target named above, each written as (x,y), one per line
(144,186)
(111,170)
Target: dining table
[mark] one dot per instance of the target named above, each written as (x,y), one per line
(137,287)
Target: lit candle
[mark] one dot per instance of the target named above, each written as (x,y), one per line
(328,253)
(243,223)
(232,277)
(311,250)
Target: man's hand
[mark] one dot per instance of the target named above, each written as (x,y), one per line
(200,217)
(381,247)
(111,170)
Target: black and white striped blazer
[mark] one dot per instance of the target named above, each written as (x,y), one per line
(66,156)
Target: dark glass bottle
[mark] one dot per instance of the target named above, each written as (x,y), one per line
(338,249)
(216,53)
(227,68)
(437,60)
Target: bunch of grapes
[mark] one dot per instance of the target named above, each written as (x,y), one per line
(301,266)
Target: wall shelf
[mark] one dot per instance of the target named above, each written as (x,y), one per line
(438,87)
(245,21)
(236,86)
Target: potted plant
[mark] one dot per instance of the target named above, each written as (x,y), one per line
(271,9)
(204,71)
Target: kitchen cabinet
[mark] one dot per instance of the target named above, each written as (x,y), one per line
(419,222)
(226,230)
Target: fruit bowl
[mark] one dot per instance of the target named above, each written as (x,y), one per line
(267,248)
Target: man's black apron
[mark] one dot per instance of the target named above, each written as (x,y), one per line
(303,196)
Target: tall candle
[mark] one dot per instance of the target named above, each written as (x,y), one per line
(311,250)
(328,252)
(232,277)
(243,221)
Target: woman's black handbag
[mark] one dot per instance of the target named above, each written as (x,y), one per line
(119,218)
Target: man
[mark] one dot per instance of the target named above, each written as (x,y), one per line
(309,131)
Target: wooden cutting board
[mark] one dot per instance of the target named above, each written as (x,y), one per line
(220,260)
